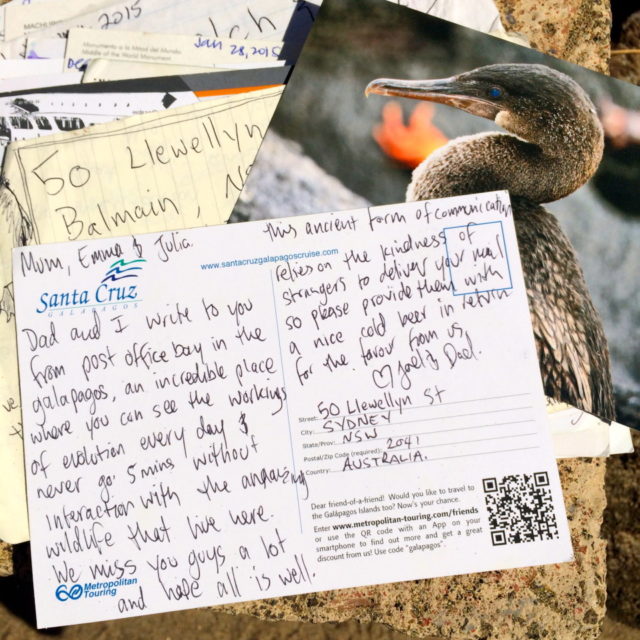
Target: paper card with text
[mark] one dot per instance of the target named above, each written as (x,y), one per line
(251,19)
(84,45)
(264,409)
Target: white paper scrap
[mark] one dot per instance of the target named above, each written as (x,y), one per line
(24,83)
(99,70)
(239,19)
(13,49)
(84,45)
(22,19)
(45,47)
(577,433)
(22,68)
(248,411)
(620,440)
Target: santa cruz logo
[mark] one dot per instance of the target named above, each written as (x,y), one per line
(63,594)
(120,270)
(109,291)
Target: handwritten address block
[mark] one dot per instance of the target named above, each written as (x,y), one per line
(230,413)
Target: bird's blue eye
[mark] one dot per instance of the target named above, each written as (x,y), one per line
(494,92)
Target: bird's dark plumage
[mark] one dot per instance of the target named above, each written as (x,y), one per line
(554,146)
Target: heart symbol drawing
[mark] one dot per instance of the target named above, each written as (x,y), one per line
(383,377)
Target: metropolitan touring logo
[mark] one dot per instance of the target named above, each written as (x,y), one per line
(110,290)
(92,589)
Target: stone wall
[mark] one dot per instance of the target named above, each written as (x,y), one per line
(560,602)
(573,30)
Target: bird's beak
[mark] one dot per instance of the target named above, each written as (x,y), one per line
(449,91)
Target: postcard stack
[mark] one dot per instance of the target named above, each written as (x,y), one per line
(300,297)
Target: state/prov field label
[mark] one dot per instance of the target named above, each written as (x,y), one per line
(230,413)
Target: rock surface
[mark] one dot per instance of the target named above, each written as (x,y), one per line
(621,524)
(293,184)
(627,66)
(563,601)
(573,30)
(6,559)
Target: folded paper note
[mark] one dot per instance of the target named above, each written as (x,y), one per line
(84,45)
(176,169)
(250,411)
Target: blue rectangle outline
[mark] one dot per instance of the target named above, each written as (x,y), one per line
(506,252)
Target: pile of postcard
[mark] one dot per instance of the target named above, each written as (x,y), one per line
(199,413)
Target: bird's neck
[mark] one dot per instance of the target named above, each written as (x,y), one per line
(561,150)
(554,166)
(537,173)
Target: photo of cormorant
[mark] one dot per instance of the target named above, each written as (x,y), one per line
(555,146)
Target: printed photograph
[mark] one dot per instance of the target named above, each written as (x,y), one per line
(386,105)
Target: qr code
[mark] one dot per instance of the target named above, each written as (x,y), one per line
(520,508)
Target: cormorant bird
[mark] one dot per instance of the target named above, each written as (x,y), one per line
(554,146)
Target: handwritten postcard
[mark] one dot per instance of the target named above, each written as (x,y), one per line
(85,44)
(175,169)
(249,411)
